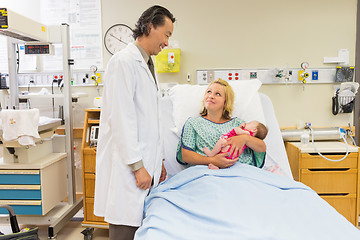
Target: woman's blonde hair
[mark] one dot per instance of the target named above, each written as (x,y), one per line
(229,99)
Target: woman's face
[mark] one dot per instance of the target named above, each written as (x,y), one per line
(214,99)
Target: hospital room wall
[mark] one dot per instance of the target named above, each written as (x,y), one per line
(249,35)
(26,8)
(254,35)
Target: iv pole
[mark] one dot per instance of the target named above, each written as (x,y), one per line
(13,82)
(75,206)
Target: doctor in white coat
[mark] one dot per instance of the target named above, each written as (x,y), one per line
(129,158)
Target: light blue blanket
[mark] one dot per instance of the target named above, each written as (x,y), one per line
(241,202)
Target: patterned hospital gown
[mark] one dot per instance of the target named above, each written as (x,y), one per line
(200,132)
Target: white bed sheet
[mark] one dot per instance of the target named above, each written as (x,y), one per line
(275,154)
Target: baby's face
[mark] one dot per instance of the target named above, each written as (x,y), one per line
(251,125)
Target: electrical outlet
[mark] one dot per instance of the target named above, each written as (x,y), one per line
(202,77)
(253,75)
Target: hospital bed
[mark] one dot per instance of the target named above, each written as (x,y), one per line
(241,202)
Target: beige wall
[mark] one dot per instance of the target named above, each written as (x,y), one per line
(249,34)
(257,34)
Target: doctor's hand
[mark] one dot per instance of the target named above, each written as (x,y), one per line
(221,161)
(143,179)
(163,174)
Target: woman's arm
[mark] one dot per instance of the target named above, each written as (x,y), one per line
(256,144)
(218,160)
(237,143)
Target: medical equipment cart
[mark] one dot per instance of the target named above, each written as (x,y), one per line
(60,214)
(88,156)
(336,182)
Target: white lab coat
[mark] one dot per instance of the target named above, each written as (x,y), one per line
(129,132)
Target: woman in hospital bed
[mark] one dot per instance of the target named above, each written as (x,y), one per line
(204,132)
(239,201)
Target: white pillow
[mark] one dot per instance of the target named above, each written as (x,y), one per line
(187,102)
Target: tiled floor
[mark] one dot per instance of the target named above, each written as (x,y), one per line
(71,231)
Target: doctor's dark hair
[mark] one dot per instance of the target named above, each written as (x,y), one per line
(229,99)
(154,15)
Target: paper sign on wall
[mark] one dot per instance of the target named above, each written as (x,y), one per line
(171,57)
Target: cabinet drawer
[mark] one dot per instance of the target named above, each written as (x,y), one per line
(89,214)
(345,205)
(20,192)
(327,181)
(23,207)
(89,185)
(316,161)
(89,160)
(10,176)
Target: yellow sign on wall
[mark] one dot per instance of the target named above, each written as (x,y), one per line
(168,60)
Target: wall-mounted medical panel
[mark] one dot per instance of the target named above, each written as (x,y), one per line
(268,76)
(48,79)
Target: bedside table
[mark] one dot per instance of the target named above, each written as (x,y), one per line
(336,182)
(88,156)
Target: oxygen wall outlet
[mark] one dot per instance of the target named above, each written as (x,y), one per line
(303,75)
(300,73)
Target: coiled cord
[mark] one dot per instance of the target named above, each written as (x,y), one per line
(332,160)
